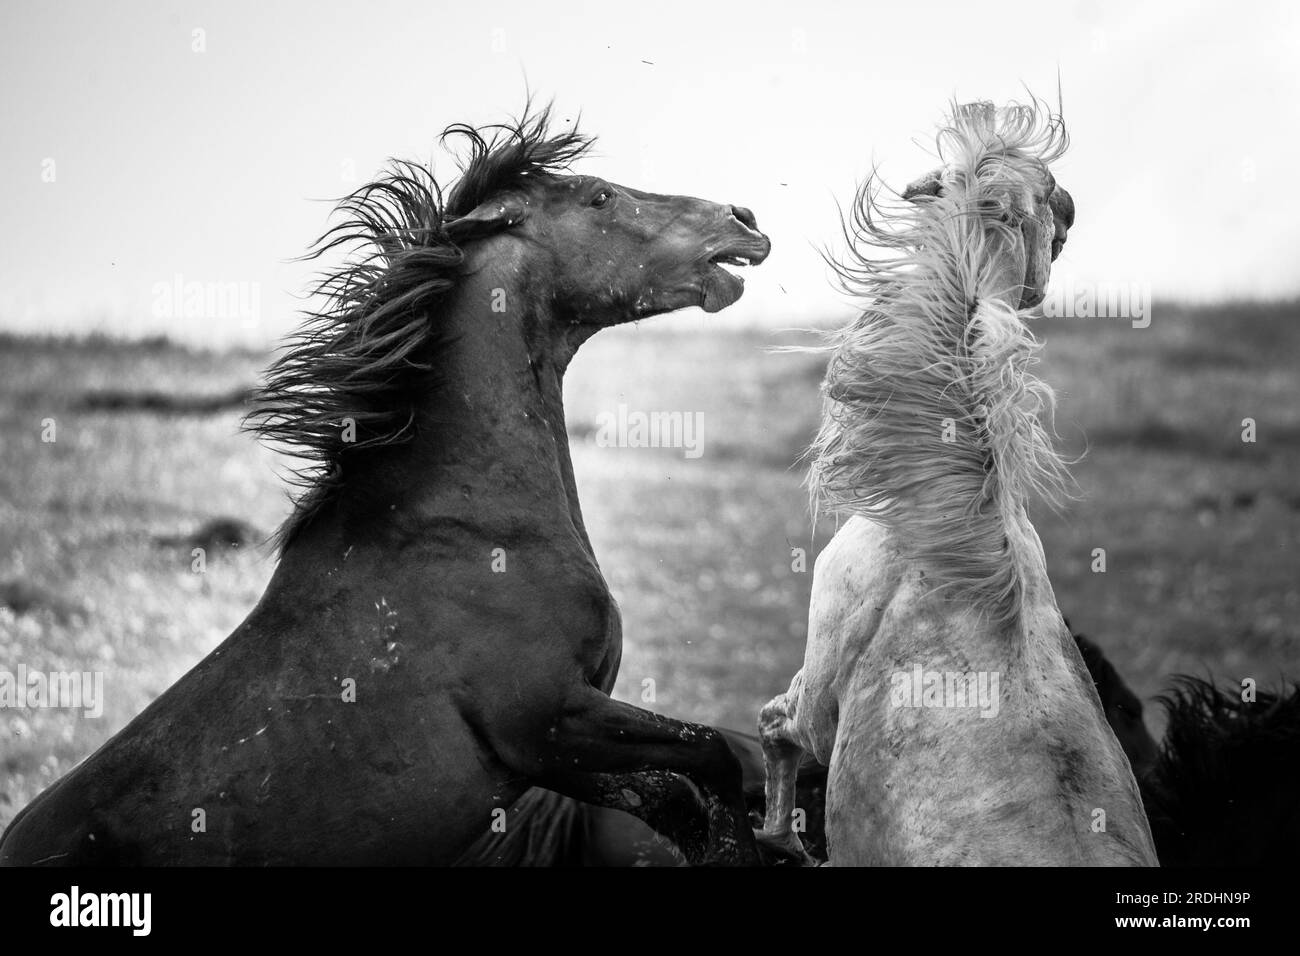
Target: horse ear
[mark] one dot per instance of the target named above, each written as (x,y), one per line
(931,184)
(500,212)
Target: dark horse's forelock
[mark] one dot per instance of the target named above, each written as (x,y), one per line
(507,155)
(352,375)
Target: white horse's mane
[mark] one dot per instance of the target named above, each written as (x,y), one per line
(934,423)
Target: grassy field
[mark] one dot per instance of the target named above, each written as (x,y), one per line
(1200,529)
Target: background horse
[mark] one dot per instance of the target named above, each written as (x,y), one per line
(438,635)
(935,591)
(1223,787)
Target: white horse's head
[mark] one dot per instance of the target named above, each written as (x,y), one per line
(1031,214)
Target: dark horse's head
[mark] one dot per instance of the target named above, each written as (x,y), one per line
(603,252)
(518,263)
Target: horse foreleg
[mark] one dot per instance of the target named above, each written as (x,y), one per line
(625,746)
(666,802)
(781,755)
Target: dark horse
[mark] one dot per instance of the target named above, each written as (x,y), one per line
(437,637)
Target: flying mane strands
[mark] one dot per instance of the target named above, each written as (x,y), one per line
(370,353)
(934,422)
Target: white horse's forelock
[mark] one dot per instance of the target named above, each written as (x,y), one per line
(934,424)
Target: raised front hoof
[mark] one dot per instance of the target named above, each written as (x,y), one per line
(782,850)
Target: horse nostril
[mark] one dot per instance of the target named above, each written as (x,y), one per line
(745,216)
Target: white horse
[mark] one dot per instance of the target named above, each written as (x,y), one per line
(940,683)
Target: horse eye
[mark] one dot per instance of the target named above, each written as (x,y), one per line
(602,197)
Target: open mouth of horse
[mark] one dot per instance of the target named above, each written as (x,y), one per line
(722,287)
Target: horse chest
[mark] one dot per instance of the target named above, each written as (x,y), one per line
(601,650)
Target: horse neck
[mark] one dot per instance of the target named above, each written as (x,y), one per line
(1025,548)
(490,453)
(495,425)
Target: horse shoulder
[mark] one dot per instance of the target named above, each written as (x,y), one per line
(855,578)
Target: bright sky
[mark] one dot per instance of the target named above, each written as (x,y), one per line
(167,162)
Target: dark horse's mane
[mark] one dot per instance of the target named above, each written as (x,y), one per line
(368,355)
(1227,778)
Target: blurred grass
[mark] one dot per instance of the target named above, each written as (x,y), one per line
(1200,529)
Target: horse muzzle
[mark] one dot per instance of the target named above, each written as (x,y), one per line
(1062,205)
(745,246)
